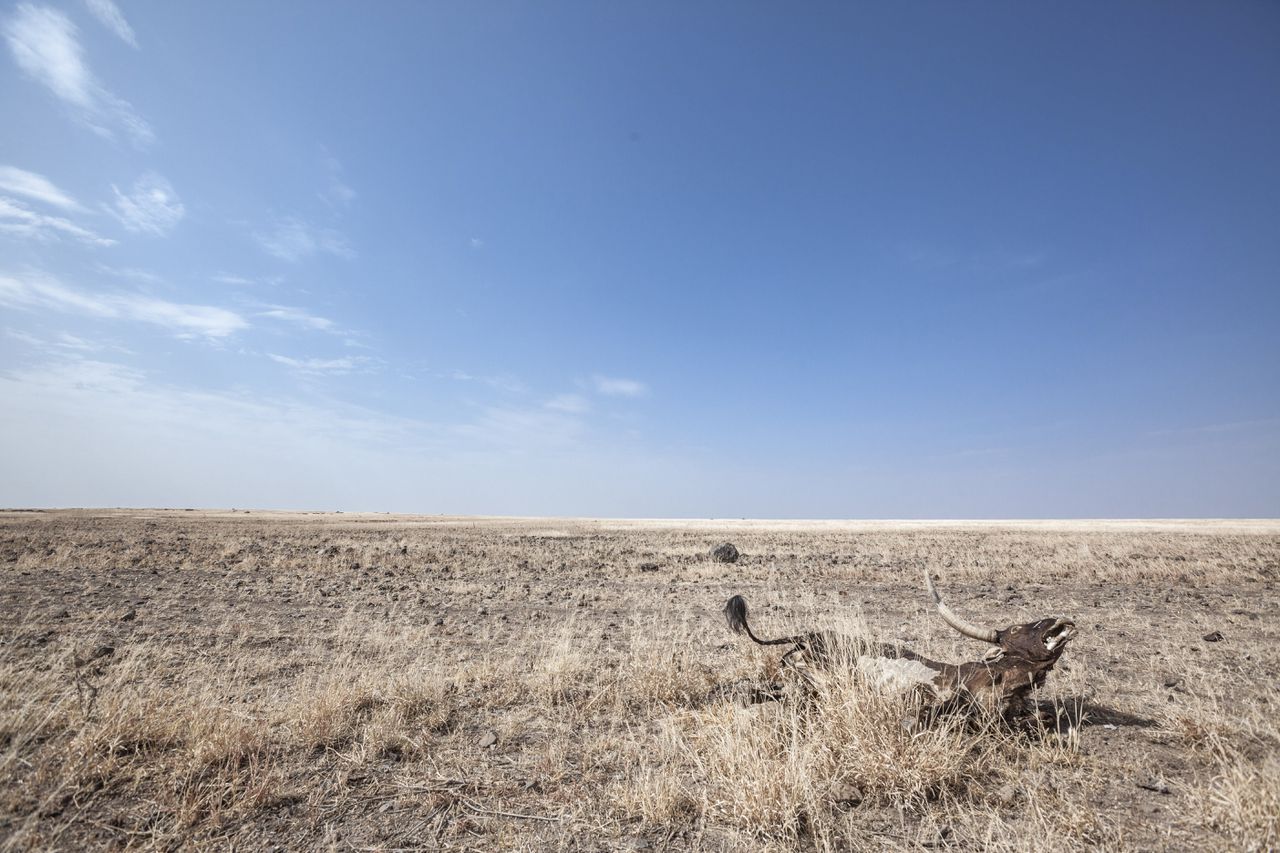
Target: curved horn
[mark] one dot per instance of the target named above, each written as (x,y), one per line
(987,635)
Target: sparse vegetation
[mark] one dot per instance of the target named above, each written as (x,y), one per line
(367,682)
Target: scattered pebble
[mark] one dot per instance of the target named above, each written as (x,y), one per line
(1153,784)
(1213,637)
(98,653)
(848,795)
(1007,794)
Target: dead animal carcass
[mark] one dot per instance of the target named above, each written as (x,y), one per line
(1019,659)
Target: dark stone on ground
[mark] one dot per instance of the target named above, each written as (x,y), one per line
(725,553)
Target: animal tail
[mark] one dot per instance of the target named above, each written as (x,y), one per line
(735,613)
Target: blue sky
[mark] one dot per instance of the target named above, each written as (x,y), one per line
(642,259)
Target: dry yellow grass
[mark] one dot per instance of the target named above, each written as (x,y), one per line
(372,682)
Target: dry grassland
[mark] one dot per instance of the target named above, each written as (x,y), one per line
(187,679)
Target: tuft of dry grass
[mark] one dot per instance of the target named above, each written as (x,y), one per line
(1244,801)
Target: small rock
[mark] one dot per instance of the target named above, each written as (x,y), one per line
(482,611)
(1213,637)
(129,615)
(97,654)
(848,795)
(648,567)
(439,621)
(725,552)
(1153,784)
(489,739)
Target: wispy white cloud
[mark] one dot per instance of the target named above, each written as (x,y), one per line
(130,273)
(291,239)
(321,365)
(338,193)
(66,340)
(618,387)
(150,207)
(182,430)
(85,374)
(40,292)
(476,243)
(37,292)
(35,187)
(110,16)
(246,281)
(20,220)
(25,337)
(43,42)
(298,317)
(574,404)
(63,342)
(185,321)
(81,420)
(502,382)
(524,429)
(45,46)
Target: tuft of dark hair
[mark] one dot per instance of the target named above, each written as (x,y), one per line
(735,613)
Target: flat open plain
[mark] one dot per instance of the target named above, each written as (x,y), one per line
(374,682)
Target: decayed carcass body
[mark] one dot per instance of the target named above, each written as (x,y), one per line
(1020,658)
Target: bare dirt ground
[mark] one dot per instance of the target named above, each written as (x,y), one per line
(174,679)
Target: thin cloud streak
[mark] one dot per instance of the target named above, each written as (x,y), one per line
(320,365)
(20,220)
(245,281)
(574,404)
(110,16)
(293,240)
(298,317)
(36,187)
(61,343)
(130,273)
(619,387)
(35,293)
(45,46)
(338,193)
